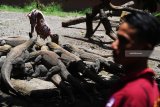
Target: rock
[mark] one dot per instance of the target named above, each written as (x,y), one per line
(35,87)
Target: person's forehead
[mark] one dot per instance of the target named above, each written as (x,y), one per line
(126,30)
(127,27)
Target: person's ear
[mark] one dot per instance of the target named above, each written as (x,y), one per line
(150,46)
(147,46)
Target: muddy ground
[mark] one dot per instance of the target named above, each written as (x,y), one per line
(17,24)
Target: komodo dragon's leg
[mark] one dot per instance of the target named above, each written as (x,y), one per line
(40,71)
(52,71)
(73,81)
(92,66)
(114,68)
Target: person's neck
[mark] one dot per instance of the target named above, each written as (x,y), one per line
(136,66)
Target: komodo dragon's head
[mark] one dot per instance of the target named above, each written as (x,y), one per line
(53,45)
(68,47)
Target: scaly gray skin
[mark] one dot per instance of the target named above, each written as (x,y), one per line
(78,65)
(13,40)
(17,54)
(51,60)
(82,54)
(108,65)
(35,71)
(41,72)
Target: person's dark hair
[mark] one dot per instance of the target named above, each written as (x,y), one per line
(147,26)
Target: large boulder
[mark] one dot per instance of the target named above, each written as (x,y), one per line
(35,87)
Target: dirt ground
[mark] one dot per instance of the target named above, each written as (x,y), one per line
(17,24)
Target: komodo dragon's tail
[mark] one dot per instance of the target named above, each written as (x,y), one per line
(8,64)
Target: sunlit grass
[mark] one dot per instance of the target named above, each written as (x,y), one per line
(52,9)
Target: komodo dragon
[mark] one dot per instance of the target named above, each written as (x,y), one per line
(79,66)
(27,70)
(17,54)
(82,54)
(86,56)
(51,60)
(13,40)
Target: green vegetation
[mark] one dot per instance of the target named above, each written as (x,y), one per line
(157,14)
(52,9)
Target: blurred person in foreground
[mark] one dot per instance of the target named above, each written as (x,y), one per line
(138,34)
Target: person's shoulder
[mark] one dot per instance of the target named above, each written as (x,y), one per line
(132,94)
(132,88)
(138,87)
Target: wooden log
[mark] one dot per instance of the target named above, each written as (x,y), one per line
(83,19)
(76,21)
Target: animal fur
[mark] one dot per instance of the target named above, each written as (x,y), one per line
(38,22)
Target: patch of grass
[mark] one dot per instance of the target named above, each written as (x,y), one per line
(52,9)
(10,8)
(84,11)
(30,7)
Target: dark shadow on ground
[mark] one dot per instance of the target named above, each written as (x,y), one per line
(79,28)
(99,43)
(113,24)
(99,100)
